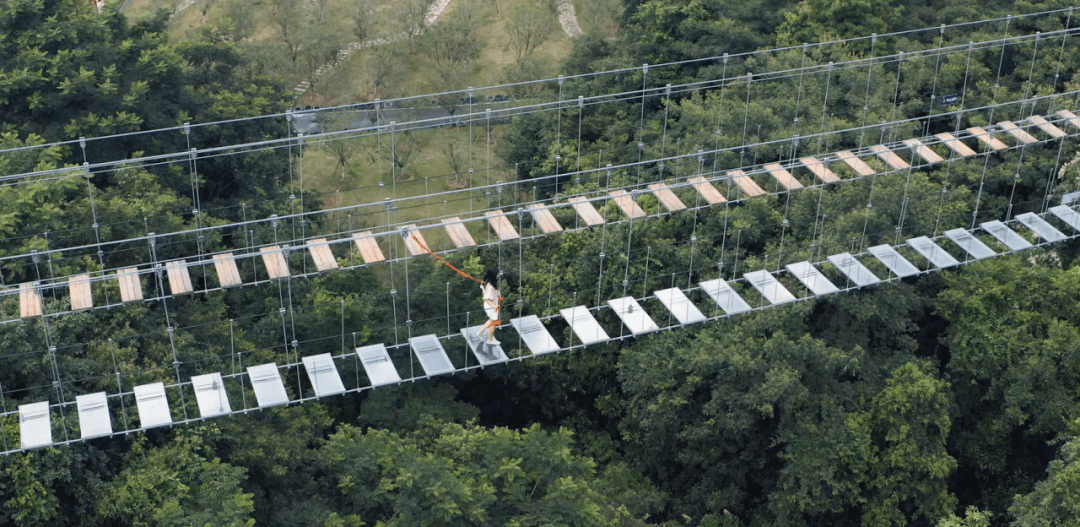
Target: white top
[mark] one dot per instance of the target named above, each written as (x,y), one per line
(491,295)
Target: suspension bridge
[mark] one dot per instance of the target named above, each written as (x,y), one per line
(699,178)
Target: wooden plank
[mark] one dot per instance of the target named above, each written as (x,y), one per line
(1048,127)
(924,151)
(955,144)
(179,278)
(81,296)
(543,217)
(783,176)
(228,274)
(627,204)
(747,185)
(458,233)
(274,261)
(130,286)
(889,157)
(411,244)
(819,169)
(707,191)
(586,211)
(1070,117)
(1019,133)
(984,136)
(29,300)
(368,246)
(668,198)
(501,224)
(855,163)
(320,251)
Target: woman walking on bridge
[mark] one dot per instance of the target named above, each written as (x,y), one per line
(490,292)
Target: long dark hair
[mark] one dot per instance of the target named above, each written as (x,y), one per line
(491,276)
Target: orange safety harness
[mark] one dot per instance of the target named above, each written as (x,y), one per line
(446,263)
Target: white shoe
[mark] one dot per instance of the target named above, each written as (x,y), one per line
(492,342)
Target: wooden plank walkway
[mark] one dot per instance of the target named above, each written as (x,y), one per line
(707,191)
(543,217)
(667,198)
(228,274)
(320,251)
(179,278)
(1019,133)
(924,151)
(955,144)
(783,176)
(79,288)
(747,185)
(369,248)
(1047,127)
(458,233)
(502,225)
(587,212)
(819,170)
(1070,117)
(274,260)
(627,204)
(130,286)
(889,157)
(29,300)
(855,163)
(984,136)
(410,244)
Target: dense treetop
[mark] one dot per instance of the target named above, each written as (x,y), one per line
(952,399)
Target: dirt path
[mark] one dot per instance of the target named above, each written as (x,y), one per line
(183,5)
(567,18)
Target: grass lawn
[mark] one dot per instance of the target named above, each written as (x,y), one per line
(429,169)
(350,83)
(140,8)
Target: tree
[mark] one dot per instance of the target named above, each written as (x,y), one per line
(411,17)
(383,71)
(242,18)
(909,465)
(290,20)
(401,152)
(452,41)
(448,474)
(452,152)
(320,50)
(176,485)
(364,20)
(448,85)
(1055,500)
(528,28)
(821,21)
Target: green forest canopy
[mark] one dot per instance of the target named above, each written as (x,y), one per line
(948,400)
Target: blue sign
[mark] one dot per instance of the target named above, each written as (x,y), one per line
(946,100)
